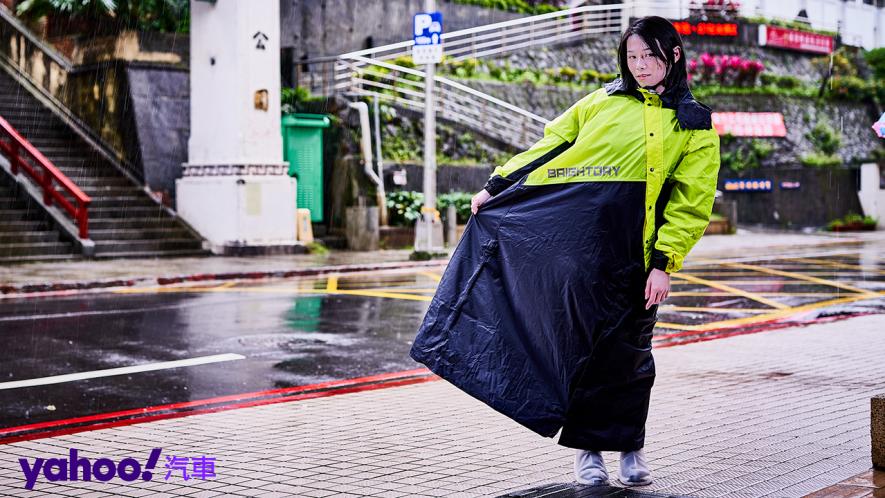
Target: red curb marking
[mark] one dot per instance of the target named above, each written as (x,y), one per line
(141,420)
(331,388)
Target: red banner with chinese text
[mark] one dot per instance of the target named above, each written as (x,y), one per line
(750,124)
(776,36)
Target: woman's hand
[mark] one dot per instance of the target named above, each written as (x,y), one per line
(478,200)
(657,288)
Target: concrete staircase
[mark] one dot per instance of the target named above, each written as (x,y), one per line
(124,221)
(26,232)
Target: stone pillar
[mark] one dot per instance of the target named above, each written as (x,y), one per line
(235,188)
(871,196)
(877,430)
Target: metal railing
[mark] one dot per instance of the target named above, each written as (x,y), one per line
(515,34)
(371,72)
(459,103)
(23,156)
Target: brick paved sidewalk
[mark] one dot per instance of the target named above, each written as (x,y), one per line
(779,414)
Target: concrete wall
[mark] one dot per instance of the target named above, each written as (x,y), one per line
(160,106)
(851,119)
(824,195)
(315,28)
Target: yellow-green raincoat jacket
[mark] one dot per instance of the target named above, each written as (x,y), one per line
(661,143)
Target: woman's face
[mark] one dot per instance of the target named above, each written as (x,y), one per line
(643,65)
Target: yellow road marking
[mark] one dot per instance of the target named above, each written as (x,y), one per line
(738,273)
(766,294)
(749,320)
(433,276)
(748,282)
(396,295)
(332,283)
(733,290)
(801,276)
(226,285)
(429,289)
(675,326)
(837,264)
(670,307)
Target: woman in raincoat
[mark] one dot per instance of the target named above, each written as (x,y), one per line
(546,309)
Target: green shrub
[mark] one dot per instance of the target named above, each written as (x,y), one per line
(817,160)
(317,247)
(568,74)
(844,63)
(787,82)
(461,201)
(852,218)
(495,71)
(851,88)
(405,61)
(520,6)
(876,59)
(746,156)
(295,99)
(404,207)
(825,139)
(170,16)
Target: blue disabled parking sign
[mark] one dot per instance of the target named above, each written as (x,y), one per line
(427,33)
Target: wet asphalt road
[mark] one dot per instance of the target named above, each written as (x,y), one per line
(286,341)
(305,331)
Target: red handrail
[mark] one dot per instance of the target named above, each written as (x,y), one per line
(17,149)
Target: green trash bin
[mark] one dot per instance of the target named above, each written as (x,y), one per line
(303,149)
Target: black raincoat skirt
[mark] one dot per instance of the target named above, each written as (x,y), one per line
(541,314)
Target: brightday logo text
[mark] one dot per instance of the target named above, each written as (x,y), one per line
(72,468)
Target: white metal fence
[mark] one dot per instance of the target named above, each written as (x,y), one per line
(372,72)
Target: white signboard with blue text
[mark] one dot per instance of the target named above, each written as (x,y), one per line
(427,34)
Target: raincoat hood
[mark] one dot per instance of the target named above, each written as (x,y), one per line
(691,114)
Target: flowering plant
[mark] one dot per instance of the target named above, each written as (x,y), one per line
(707,10)
(726,70)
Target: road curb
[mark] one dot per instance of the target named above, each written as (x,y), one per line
(71,288)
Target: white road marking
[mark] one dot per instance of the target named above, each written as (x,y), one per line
(57,379)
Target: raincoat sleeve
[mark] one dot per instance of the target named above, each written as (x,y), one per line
(559,135)
(688,209)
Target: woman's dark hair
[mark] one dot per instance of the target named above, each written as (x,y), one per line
(652,29)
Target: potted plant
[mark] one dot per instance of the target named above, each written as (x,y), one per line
(852,222)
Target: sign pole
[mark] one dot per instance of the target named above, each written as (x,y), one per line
(429,142)
(428,50)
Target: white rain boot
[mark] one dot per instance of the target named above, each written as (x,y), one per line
(634,469)
(590,468)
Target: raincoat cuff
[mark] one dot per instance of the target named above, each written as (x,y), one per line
(497,184)
(659,260)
